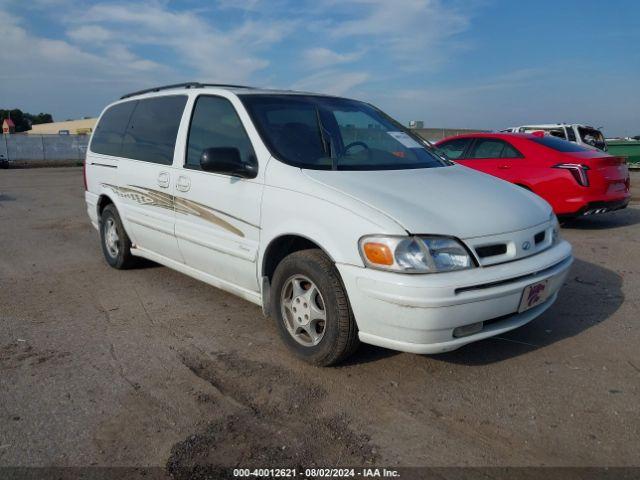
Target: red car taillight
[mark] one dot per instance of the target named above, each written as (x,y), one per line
(578,171)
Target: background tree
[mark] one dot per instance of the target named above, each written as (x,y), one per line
(23,120)
(39,118)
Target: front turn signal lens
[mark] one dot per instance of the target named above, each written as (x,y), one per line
(378,253)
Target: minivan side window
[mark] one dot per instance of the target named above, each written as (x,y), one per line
(107,138)
(215,123)
(153,128)
(493,148)
(454,149)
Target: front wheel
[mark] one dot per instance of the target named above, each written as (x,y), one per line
(312,310)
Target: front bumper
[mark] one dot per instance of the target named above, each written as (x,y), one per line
(418,313)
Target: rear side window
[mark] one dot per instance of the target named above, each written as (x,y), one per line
(107,138)
(560,133)
(558,144)
(454,149)
(493,148)
(509,151)
(555,132)
(592,137)
(214,124)
(153,128)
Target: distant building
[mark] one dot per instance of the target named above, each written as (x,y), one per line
(416,124)
(72,127)
(8,126)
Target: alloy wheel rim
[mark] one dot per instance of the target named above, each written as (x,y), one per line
(111,238)
(303,310)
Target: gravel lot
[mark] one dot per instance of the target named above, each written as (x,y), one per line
(151,368)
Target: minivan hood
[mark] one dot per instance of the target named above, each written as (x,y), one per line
(452,200)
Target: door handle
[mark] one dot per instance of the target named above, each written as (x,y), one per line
(164,179)
(504,167)
(184,184)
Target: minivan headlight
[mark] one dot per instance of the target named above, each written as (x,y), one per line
(416,254)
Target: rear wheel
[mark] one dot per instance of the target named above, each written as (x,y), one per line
(312,310)
(116,245)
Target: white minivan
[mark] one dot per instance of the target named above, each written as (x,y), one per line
(343,225)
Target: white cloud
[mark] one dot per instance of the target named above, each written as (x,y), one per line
(23,53)
(405,36)
(405,29)
(58,76)
(230,55)
(334,82)
(247,5)
(90,33)
(339,44)
(320,57)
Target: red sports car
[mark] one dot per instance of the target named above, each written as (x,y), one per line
(575,180)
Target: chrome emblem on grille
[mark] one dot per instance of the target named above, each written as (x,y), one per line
(526,245)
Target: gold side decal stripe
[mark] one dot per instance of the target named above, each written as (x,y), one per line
(155,198)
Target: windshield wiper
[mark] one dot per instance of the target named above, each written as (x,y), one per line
(327,145)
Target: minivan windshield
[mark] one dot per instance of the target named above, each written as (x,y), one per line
(329,133)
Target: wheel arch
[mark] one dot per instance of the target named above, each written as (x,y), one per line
(524,185)
(103,201)
(283,245)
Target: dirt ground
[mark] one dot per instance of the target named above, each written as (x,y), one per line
(151,368)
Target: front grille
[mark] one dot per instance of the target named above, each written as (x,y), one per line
(539,237)
(482,286)
(491,250)
(486,323)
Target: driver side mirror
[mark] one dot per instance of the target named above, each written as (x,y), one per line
(228,161)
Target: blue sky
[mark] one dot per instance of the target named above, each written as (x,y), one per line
(477,63)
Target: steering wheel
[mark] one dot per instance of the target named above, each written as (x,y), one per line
(357,144)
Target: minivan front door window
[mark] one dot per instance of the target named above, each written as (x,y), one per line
(215,124)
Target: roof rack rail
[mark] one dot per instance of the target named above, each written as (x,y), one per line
(184,85)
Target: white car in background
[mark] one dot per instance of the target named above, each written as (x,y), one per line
(334,218)
(576,133)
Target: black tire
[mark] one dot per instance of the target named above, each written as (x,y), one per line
(123,259)
(340,337)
